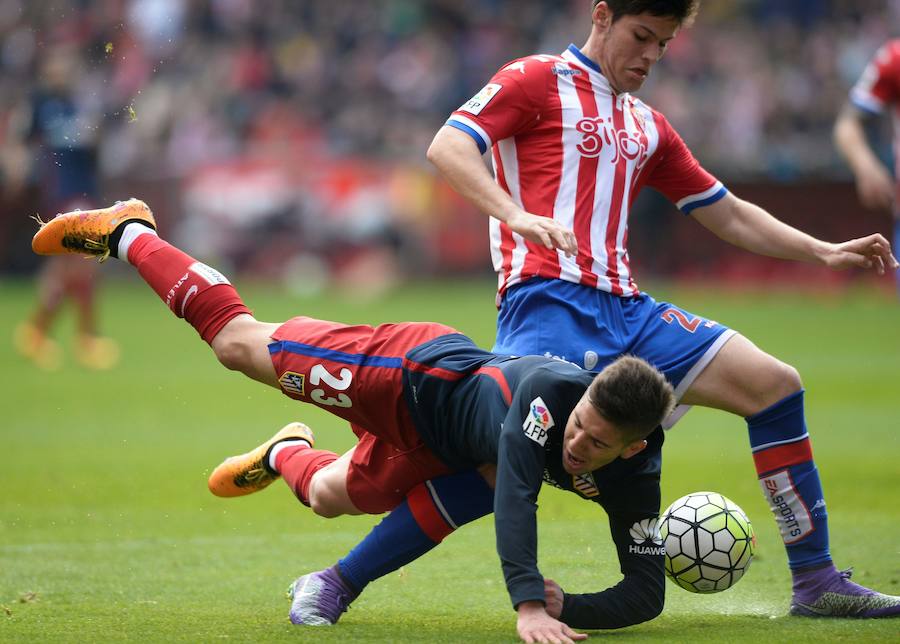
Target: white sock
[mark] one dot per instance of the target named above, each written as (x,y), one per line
(131,232)
(280,446)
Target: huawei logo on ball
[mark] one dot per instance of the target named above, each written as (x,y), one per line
(646,530)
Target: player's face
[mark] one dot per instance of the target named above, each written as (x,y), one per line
(590,441)
(631,46)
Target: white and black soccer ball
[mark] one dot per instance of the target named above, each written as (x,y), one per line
(709,542)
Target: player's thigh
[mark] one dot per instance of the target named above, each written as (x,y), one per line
(380,475)
(743,379)
(243,345)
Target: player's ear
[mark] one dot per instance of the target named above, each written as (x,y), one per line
(633,448)
(602,15)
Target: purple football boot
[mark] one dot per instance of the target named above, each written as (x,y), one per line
(828,592)
(319,598)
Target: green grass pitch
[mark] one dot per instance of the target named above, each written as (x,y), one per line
(108,534)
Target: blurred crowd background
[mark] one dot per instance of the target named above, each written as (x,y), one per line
(288,137)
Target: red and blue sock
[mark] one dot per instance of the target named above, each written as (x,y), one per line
(430,512)
(790,481)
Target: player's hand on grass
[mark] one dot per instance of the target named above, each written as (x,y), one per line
(873,251)
(553,597)
(543,230)
(535,626)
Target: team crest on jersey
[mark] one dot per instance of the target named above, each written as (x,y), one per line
(293,383)
(585,485)
(639,119)
(482,98)
(539,422)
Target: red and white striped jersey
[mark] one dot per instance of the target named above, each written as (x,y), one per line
(566,146)
(879,88)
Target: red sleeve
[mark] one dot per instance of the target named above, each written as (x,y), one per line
(678,175)
(879,84)
(510,103)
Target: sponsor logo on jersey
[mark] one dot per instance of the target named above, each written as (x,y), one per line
(585,485)
(293,383)
(599,132)
(590,359)
(647,539)
(538,422)
(790,512)
(564,70)
(482,98)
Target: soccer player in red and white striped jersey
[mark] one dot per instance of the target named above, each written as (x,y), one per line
(571,148)
(876,91)
(565,144)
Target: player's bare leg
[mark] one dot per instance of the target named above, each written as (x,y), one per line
(328,496)
(243,345)
(744,380)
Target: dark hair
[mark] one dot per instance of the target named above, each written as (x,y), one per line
(684,11)
(632,395)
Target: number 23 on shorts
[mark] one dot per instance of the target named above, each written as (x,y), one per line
(320,375)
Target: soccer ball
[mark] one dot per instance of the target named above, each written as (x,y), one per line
(709,542)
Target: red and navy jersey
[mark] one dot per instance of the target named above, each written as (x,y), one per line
(414,383)
(565,145)
(471,407)
(878,89)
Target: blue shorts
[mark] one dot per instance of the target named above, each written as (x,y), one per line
(592,328)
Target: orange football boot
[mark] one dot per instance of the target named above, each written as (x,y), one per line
(87,231)
(250,472)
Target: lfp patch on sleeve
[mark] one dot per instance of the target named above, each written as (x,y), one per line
(482,98)
(538,422)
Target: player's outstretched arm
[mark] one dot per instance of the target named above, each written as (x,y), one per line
(640,595)
(874,184)
(458,158)
(752,228)
(534,625)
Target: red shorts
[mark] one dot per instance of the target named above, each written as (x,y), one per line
(356,373)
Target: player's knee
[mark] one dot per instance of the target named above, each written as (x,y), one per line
(783,380)
(232,351)
(323,501)
(323,505)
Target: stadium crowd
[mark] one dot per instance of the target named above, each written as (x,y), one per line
(320,87)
